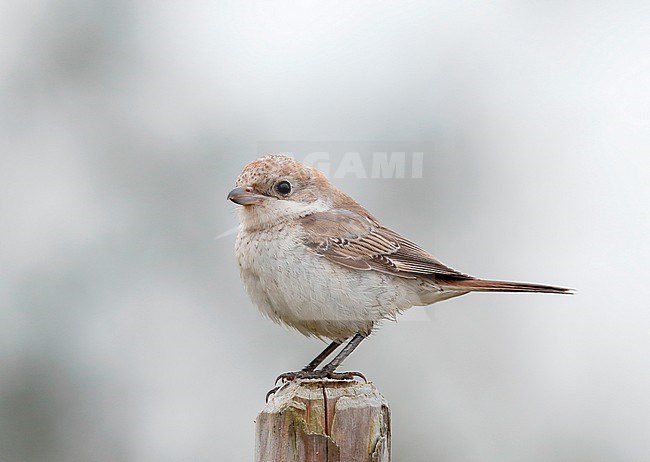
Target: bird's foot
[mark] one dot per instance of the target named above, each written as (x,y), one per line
(316,375)
(319,375)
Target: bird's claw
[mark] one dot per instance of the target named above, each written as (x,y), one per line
(270,392)
(357,374)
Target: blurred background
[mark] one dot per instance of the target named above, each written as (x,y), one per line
(125,333)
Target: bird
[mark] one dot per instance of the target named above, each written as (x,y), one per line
(313,259)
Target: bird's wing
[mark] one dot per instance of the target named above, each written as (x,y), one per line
(359,242)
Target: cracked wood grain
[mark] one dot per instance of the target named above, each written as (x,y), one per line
(324,421)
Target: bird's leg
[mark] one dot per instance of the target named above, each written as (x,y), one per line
(339,358)
(328,372)
(309,372)
(321,357)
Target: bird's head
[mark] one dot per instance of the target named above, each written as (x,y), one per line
(278,188)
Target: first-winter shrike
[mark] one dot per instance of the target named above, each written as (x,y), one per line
(314,259)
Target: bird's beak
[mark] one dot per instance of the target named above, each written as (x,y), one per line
(244,195)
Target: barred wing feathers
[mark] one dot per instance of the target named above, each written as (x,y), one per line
(359,242)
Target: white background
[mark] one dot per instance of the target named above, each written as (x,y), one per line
(125,334)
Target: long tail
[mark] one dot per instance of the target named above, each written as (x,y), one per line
(482,285)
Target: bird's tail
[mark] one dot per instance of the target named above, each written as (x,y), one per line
(482,285)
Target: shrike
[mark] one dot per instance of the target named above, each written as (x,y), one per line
(315,260)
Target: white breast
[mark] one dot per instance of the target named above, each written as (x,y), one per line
(292,285)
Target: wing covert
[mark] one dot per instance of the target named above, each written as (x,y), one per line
(359,242)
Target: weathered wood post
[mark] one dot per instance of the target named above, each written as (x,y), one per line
(324,421)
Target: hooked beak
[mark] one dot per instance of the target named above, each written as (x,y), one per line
(244,195)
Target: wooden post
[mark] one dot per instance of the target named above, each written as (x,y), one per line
(324,421)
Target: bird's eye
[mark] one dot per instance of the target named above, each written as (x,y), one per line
(283,187)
